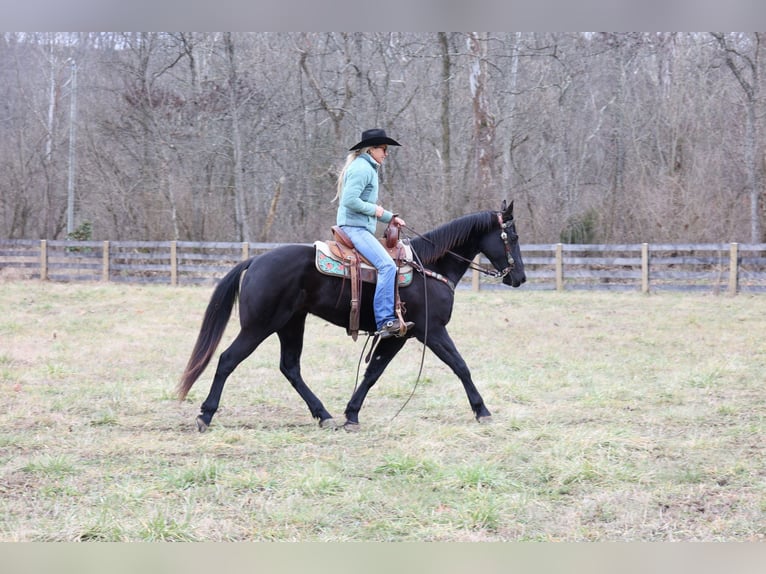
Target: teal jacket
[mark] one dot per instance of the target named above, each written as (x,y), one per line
(359,197)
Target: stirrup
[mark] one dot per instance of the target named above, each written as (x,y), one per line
(393,329)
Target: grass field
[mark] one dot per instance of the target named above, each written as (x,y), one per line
(616,417)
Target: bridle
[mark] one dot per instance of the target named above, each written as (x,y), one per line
(504,225)
(488,271)
(491,271)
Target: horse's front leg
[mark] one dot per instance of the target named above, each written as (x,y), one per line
(443,347)
(384,352)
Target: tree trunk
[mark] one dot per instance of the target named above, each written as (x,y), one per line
(743,63)
(483,122)
(240,206)
(446,139)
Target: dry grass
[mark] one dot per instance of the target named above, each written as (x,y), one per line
(617,417)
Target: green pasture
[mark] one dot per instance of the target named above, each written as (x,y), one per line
(617,417)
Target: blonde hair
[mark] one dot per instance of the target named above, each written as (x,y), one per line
(342,175)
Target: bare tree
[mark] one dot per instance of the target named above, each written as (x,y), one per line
(36,132)
(741,53)
(240,208)
(483,120)
(333,99)
(445,154)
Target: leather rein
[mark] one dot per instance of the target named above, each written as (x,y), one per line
(489,271)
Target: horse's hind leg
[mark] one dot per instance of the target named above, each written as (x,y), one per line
(242,347)
(291,340)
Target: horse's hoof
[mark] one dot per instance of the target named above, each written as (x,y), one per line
(201,424)
(487,420)
(351,426)
(328,424)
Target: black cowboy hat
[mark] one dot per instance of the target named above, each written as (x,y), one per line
(373,137)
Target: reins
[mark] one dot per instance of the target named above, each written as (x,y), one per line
(490,272)
(425,333)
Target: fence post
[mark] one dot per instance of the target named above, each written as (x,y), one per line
(105,262)
(559,267)
(733,268)
(173,264)
(43,260)
(245,251)
(644,268)
(475,286)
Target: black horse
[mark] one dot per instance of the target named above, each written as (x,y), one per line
(281,287)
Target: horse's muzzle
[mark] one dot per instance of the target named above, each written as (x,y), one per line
(514,280)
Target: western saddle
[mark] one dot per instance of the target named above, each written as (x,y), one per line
(358,269)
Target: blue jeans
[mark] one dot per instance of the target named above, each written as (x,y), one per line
(369,246)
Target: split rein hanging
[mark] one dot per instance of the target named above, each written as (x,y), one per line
(376,340)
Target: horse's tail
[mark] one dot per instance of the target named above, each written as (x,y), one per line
(213,326)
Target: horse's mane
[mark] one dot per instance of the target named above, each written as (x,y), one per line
(433,244)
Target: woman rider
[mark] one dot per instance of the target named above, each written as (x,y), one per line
(358,214)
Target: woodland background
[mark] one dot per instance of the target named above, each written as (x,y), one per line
(598,137)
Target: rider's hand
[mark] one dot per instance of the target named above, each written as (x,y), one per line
(399,222)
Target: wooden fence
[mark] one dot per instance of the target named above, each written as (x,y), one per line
(713,268)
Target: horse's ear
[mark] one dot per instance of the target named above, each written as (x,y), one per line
(507,210)
(504,206)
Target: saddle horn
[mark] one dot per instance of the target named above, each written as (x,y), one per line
(391,233)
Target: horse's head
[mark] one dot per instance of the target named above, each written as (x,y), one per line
(501,246)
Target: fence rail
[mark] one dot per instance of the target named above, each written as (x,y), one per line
(713,267)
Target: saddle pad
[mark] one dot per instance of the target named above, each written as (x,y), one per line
(328,264)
